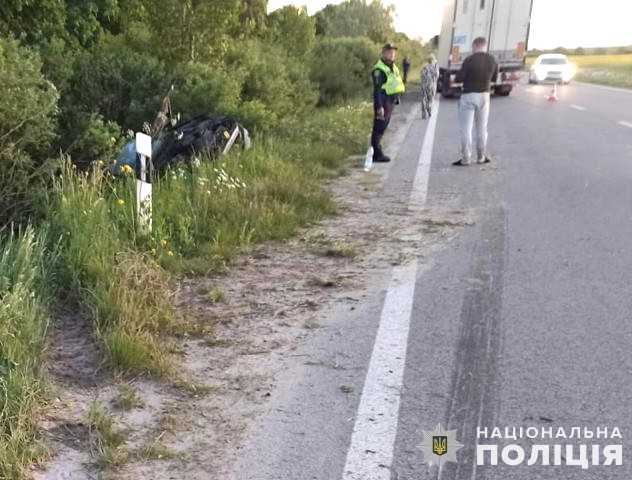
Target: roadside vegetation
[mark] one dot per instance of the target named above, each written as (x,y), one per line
(612,70)
(75,82)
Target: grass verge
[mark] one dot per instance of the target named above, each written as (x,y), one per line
(203,217)
(25,294)
(611,70)
(89,251)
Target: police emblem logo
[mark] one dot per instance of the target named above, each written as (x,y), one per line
(440,446)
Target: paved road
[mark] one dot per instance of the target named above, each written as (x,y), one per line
(525,320)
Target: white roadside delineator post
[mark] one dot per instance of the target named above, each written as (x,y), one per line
(143,184)
(231,141)
(368,160)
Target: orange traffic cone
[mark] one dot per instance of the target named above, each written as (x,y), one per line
(553,95)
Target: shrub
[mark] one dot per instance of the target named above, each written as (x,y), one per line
(278,83)
(116,82)
(28,105)
(99,140)
(342,68)
(205,89)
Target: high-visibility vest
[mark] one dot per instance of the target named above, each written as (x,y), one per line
(394,83)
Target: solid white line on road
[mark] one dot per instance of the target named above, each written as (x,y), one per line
(577,107)
(625,124)
(370,453)
(420,185)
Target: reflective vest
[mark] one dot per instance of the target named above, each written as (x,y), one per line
(394,83)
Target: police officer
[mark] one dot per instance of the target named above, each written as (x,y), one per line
(406,68)
(388,85)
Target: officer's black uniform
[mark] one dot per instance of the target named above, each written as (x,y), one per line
(380,99)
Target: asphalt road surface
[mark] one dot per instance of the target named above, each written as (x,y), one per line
(524,320)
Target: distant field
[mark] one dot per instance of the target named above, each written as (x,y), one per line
(613,70)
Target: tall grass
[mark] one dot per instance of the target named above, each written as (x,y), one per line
(613,70)
(126,290)
(26,280)
(203,216)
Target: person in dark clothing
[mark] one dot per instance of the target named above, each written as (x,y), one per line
(406,68)
(477,73)
(388,85)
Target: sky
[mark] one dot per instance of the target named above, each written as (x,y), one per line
(555,23)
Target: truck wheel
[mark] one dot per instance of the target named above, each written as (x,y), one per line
(503,91)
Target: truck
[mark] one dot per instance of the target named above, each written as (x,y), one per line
(504,23)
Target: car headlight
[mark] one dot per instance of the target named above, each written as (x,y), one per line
(541,73)
(569,73)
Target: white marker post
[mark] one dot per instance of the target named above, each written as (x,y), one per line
(368,160)
(231,141)
(143,183)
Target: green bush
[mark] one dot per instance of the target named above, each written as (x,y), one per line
(28,102)
(117,82)
(99,140)
(205,89)
(28,106)
(342,68)
(278,83)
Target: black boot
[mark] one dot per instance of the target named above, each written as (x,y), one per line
(378,156)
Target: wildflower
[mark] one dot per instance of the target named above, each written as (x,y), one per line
(127,169)
(153,251)
(120,202)
(170,253)
(163,242)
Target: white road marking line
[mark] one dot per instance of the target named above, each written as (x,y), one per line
(420,184)
(370,453)
(578,107)
(625,124)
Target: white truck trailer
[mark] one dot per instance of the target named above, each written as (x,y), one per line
(504,23)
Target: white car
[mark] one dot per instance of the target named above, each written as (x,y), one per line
(552,67)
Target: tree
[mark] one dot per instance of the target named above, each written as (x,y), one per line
(38,22)
(292,28)
(356,18)
(252,19)
(192,30)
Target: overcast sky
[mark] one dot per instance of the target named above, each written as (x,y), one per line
(568,23)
